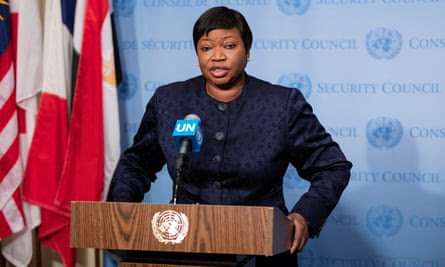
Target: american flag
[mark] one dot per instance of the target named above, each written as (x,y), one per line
(11,170)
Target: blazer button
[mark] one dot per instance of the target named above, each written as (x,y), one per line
(216,159)
(217,184)
(219,136)
(222,106)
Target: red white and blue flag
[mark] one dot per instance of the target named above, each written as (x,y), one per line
(27,51)
(12,219)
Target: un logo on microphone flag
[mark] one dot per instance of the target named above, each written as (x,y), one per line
(188,129)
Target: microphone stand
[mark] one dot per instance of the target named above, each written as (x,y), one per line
(181,165)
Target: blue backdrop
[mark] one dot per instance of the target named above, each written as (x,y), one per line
(374,72)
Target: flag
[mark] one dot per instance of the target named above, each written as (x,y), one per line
(111,77)
(93,145)
(27,46)
(49,142)
(94,142)
(11,172)
(79,139)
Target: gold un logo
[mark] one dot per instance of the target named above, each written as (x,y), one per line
(170,226)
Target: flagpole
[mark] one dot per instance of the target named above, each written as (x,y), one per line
(97,257)
(2,261)
(38,250)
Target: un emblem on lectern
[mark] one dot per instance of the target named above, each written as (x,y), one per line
(170,226)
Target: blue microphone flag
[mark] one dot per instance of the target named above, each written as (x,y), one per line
(191,129)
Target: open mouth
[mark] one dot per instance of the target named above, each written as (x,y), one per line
(219,72)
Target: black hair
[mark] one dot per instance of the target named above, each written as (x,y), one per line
(222,18)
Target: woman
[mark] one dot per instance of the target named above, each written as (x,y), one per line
(252,131)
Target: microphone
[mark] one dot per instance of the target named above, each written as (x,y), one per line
(187,136)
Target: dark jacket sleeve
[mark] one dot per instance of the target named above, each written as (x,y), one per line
(319,160)
(139,163)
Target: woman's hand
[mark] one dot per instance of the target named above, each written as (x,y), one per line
(301,232)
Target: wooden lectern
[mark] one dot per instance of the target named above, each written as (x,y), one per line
(179,235)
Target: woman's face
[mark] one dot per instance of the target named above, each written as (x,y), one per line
(222,58)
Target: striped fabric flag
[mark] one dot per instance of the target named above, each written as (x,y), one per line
(27,44)
(48,147)
(11,214)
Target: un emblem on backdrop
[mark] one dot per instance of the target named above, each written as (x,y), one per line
(384,132)
(297,80)
(293,7)
(124,8)
(384,220)
(127,88)
(383,43)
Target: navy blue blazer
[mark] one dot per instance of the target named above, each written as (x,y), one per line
(248,145)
